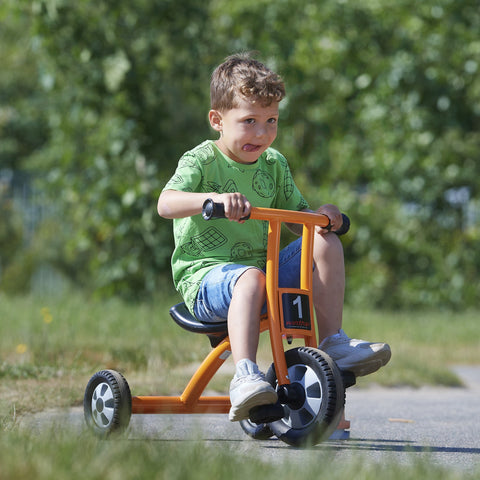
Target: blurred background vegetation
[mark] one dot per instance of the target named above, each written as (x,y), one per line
(98,100)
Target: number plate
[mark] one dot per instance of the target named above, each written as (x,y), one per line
(296,311)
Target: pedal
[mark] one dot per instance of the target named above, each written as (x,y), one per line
(266,413)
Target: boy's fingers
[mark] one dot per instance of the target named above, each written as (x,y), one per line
(236,206)
(234,209)
(246,208)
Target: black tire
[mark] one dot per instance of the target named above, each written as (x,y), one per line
(318,414)
(107,404)
(257,431)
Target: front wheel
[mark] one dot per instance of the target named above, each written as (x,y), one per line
(107,404)
(313,411)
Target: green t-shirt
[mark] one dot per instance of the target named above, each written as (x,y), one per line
(200,245)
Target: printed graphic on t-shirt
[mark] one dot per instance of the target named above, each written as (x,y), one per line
(209,239)
(288,186)
(204,154)
(263,184)
(229,187)
(241,250)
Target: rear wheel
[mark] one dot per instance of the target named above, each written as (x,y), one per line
(257,431)
(314,400)
(107,404)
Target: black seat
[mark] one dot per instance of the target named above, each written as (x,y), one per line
(216,331)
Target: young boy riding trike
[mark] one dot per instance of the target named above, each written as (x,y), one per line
(234,279)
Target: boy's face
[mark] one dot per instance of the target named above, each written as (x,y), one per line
(245,131)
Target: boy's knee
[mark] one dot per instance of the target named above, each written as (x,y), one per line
(255,277)
(327,245)
(252,281)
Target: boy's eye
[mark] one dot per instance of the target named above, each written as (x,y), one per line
(272,120)
(250,121)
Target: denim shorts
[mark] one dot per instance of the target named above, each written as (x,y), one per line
(215,293)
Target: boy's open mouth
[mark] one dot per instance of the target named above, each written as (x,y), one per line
(250,148)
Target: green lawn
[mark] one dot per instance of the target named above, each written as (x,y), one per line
(59,342)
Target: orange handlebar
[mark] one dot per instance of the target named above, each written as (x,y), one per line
(216,210)
(289,216)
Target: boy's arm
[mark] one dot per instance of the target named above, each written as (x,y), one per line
(178,204)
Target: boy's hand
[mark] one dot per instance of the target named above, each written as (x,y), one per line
(335,216)
(236,205)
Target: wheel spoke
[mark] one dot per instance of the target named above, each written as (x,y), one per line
(313,406)
(310,379)
(107,394)
(104,419)
(108,414)
(296,373)
(300,418)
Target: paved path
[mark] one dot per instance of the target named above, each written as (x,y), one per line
(403,424)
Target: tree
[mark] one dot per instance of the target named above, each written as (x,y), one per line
(22,123)
(125,88)
(381,117)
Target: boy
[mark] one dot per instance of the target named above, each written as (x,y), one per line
(220,268)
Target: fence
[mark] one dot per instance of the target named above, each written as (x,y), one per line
(22,202)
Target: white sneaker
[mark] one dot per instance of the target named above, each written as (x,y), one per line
(357,356)
(249,389)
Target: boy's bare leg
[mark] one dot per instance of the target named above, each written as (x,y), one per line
(248,388)
(357,356)
(328,284)
(244,314)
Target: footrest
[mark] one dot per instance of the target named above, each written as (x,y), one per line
(266,413)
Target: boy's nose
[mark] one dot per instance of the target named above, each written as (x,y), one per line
(261,131)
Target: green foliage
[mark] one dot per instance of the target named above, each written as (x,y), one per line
(23,127)
(382,117)
(124,91)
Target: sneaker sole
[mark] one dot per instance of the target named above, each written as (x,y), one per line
(241,412)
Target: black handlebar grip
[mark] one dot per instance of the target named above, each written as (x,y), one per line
(211,209)
(345,226)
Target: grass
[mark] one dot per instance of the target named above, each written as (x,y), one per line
(57,343)
(425,344)
(50,347)
(62,454)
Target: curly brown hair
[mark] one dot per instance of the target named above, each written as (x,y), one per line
(242,75)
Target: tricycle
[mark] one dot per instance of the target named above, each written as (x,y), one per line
(310,386)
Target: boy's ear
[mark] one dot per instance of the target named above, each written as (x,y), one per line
(215,118)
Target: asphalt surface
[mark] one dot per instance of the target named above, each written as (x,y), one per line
(442,424)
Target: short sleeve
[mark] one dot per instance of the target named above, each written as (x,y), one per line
(187,176)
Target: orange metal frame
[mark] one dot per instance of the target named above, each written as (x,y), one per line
(191,400)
